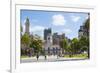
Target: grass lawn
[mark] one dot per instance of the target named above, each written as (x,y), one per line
(77,56)
(24,56)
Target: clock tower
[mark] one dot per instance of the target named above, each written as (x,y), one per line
(27,25)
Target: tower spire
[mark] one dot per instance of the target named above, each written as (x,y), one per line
(27,25)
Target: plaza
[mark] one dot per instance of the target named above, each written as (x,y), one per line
(49,42)
(49,59)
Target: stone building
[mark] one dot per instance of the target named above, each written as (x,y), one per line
(49,46)
(27,26)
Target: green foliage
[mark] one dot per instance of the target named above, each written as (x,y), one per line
(28,42)
(25,39)
(79,56)
(84,42)
(69,50)
(87,24)
(64,44)
(21,28)
(75,45)
(36,43)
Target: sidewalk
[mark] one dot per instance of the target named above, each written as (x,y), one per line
(49,59)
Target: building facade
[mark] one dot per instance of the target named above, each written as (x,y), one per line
(46,32)
(85,28)
(27,26)
(83,31)
(51,42)
(48,41)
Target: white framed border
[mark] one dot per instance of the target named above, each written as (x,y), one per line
(15,37)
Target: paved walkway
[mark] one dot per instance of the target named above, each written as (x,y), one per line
(49,59)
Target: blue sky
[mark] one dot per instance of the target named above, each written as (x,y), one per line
(60,22)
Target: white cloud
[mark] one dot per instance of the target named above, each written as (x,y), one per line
(33,28)
(67,31)
(36,28)
(87,17)
(58,20)
(75,18)
(23,28)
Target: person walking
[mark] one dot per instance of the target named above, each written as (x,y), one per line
(37,57)
(45,57)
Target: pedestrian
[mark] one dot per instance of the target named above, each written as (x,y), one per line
(37,57)
(45,57)
(57,56)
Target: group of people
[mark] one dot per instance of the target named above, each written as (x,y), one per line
(45,57)
(37,56)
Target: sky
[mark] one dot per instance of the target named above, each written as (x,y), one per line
(60,22)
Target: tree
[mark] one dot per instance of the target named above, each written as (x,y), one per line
(87,24)
(36,43)
(25,39)
(25,42)
(84,42)
(75,45)
(21,28)
(69,50)
(64,44)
